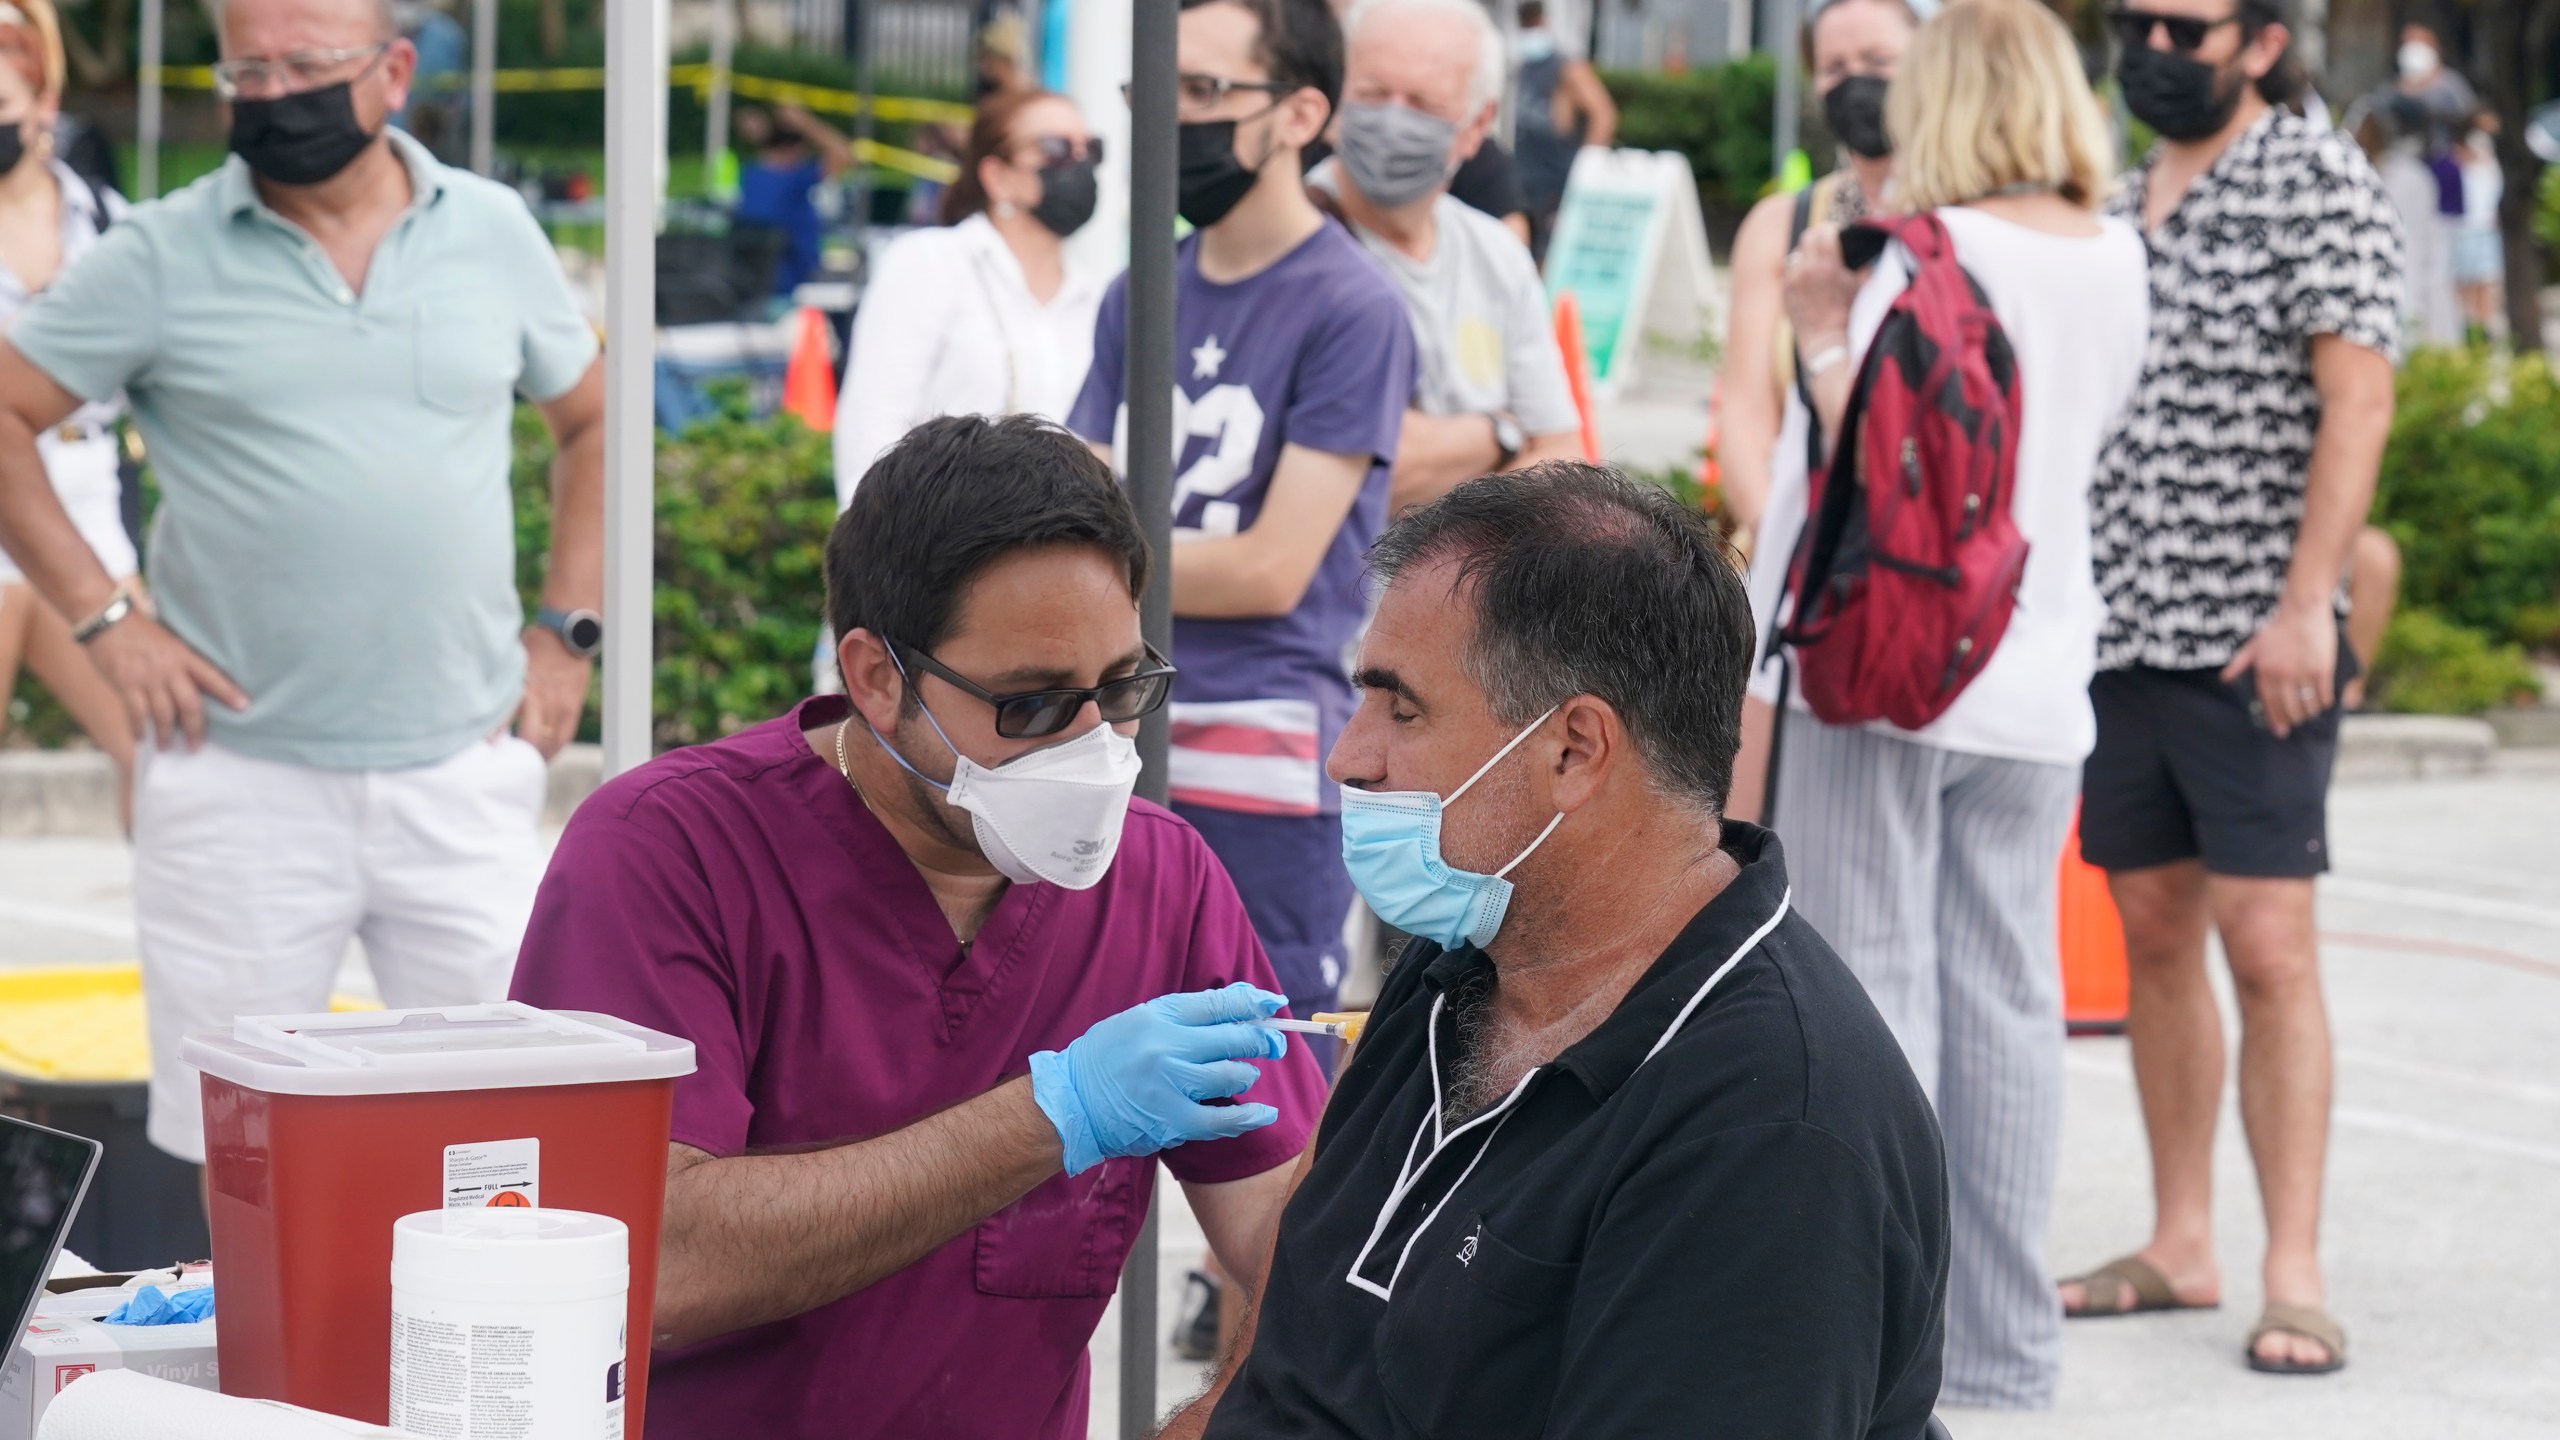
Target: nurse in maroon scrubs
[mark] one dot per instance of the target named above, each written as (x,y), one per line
(951,989)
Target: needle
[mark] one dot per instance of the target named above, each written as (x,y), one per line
(1340,1026)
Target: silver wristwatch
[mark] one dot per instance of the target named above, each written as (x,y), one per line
(118,607)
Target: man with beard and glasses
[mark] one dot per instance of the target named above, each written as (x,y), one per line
(1293,363)
(2223,513)
(1421,82)
(950,988)
(323,342)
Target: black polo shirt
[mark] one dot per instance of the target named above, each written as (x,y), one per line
(1723,1213)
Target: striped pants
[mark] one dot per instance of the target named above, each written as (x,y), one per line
(1933,874)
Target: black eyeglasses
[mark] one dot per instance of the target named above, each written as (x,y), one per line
(1051,150)
(1036,714)
(2186,33)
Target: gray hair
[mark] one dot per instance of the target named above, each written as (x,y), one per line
(1484,87)
(1585,582)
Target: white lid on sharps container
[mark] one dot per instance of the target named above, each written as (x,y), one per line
(499,1046)
(510,1254)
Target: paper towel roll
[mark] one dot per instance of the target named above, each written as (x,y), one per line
(123,1405)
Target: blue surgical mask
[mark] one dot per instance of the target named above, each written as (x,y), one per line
(1391,844)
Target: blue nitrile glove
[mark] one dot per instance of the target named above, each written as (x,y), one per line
(152,1306)
(1132,1085)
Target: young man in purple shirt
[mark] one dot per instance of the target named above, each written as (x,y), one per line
(872,917)
(1293,364)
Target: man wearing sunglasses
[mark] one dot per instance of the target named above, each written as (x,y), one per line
(324,342)
(2223,512)
(1293,363)
(950,989)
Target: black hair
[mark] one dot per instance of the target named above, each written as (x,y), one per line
(1297,43)
(1533,13)
(1585,582)
(954,497)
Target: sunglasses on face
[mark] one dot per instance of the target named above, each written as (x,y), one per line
(2186,33)
(1051,150)
(1037,714)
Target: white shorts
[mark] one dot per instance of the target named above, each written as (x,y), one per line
(250,876)
(85,476)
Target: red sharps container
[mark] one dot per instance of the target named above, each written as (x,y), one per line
(321,1130)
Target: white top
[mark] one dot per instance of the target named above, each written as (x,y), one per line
(2078,313)
(948,326)
(82,227)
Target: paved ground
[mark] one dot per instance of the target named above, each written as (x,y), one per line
(2444,966)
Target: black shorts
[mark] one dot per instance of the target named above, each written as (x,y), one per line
(2182,771)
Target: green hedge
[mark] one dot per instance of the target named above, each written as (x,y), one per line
(1719,117)
(744,506)
(2471,491)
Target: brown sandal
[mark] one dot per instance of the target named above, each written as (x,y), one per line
(2308,1322)
(2130,1285)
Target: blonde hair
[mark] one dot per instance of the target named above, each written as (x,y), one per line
(1991,97)
(31,40)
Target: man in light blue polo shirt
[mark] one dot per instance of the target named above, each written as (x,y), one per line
(323,342)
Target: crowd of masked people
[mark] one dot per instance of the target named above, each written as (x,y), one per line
(1654,1124)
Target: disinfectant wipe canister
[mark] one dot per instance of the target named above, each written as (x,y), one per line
(507,1324)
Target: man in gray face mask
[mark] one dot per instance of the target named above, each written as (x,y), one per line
(1421,79)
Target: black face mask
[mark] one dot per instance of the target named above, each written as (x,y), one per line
(2178,95)
(1212,180)
(13,144)
(1067,197)
(1855,112)
(299,139)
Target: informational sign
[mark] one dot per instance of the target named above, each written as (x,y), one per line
(1631,248)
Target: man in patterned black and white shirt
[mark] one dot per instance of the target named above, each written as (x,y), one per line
(2224,511)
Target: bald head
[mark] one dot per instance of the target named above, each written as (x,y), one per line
(280,27)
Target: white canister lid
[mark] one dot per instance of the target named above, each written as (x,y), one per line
(498,1046)
(510,1254)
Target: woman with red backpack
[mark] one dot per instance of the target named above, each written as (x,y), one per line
(1935,620)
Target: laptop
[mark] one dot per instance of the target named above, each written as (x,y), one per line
(43,1176)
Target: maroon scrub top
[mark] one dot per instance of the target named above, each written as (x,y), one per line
(739,894)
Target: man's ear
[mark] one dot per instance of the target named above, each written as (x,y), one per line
(1303,116)
(2259,60)
(1595,744)
(1471,139)
(871,680)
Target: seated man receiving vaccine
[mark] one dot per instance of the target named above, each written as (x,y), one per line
(950,988)
(1624,1150)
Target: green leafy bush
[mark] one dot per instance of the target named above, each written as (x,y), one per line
(2471,491)
(744,506)
(2431,666)
(1718,117)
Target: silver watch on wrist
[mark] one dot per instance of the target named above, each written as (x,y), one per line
(581,632)
(117,608)
(1508,437)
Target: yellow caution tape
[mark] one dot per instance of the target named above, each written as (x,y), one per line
(696,78)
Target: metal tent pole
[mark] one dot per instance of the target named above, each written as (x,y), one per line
(632,148)
(155,43)
(484,86)
(715,118)
(1782,47)
(866,29)
(1149,466)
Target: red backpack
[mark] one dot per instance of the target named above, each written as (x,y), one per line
(1907,570)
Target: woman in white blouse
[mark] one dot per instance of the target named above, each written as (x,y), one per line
(49,217)
(986,315)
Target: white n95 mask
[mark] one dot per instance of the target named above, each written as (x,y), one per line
(1052,814)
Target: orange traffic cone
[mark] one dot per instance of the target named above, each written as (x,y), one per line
(809,385)
(2096,987)
(1577,371)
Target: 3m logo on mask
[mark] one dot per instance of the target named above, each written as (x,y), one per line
(1091,849)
